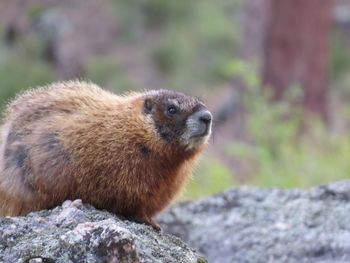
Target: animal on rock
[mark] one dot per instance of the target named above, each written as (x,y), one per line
(129,154)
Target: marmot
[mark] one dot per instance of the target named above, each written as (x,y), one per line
(127,154)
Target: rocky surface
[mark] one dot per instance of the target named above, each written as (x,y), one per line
(240,225)
(267,225)
(75,232)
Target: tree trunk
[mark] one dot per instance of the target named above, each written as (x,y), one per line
(254,24)
(297,50)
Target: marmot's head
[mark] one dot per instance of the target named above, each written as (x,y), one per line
(179,119)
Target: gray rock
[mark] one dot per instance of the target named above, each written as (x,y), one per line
(267,225)
(75,232)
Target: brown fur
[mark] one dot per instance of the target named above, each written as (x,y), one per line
(74,140)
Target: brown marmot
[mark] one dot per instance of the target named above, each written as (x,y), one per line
(127,154)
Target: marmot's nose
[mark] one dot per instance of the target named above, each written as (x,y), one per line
(205,116)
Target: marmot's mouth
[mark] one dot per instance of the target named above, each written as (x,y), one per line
(201,133)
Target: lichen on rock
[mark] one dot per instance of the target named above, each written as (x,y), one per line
(75,232)
(254,225)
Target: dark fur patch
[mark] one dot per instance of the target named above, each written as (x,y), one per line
(13,137)
(20,155)
(30,186)
(16,156)
(16,159)
(51,144)
(198,107)
(164,132)
(8,151)
(144,150)
(50,141)
(16,152)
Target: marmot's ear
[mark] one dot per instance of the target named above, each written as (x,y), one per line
(148,105)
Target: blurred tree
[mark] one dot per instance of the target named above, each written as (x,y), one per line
(297,50)
(254,21)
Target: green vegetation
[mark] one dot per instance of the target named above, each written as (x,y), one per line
(340,57)
(19,72)
(209,178)
(286,155)
(282,149)
(110,74)
(187,42)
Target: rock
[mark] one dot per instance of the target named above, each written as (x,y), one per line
(75,232)
(267,225)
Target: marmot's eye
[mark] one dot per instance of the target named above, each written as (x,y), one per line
(172,110)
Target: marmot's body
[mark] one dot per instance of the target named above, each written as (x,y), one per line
(128,154)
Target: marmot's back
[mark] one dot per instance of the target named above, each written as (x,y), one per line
(127,154)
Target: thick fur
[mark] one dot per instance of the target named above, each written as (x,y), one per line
(74,140)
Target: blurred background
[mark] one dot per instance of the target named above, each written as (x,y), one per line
(275,73)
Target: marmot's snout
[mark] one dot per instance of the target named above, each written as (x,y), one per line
(198,128)
(199,124)
(204,123)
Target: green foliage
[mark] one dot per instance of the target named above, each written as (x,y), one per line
(340,55)
(237,68)
(280,152)
(108,73)
(202,260)
(340,64)
(317,160)
(210,178)
(35,11)
(194,50)
(188,42)
(20,72)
